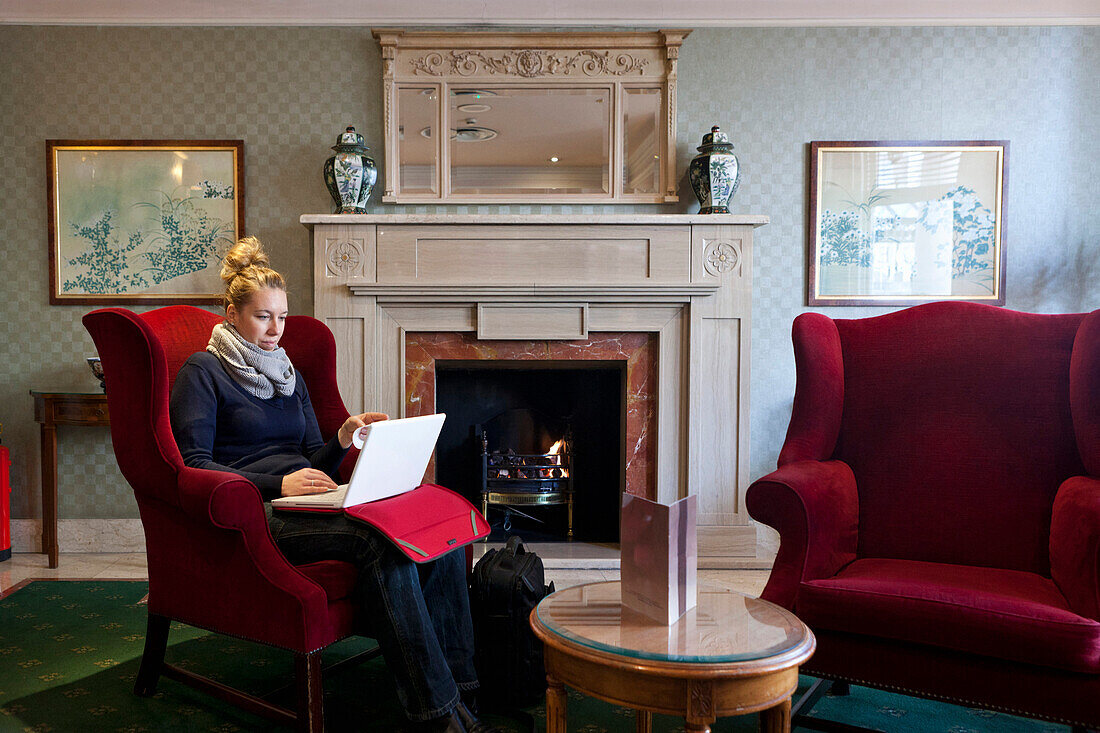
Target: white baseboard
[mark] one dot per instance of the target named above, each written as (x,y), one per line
(81,535)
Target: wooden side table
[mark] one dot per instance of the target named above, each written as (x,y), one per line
(50,410)
(730,655)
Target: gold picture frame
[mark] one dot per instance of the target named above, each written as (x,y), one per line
(141,221)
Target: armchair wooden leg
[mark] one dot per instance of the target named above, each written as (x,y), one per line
(840,688)
(311,714)
(152,659)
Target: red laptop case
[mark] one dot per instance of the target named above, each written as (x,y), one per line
(424,523)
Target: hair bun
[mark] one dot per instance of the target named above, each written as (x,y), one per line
(247,252)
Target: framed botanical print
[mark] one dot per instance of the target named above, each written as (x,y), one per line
(142,221)
(900,223)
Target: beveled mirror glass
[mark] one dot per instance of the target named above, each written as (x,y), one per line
(641,140)
(418,150)
(529,117)
(548,140)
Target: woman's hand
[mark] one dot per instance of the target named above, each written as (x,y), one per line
(307,481)
(355,422)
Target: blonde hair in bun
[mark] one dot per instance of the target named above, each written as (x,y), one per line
(246,269)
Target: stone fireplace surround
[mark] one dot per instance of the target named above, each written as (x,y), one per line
(387,284)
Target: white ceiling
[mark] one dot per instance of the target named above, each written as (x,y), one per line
(633,13)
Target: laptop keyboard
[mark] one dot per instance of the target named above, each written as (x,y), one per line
(336,497)
(329,498)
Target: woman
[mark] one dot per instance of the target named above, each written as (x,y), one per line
(239,407)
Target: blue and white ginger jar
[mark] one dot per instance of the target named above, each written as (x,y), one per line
(350,174)
(715,173)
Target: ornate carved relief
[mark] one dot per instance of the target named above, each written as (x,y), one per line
(701,700)
(528,63)
(670,126)
(344,257)
(391,149)
(720,257)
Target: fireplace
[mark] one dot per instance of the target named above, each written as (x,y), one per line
(504,420)
(665,298)
(599,389)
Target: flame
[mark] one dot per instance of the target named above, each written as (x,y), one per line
(556,447)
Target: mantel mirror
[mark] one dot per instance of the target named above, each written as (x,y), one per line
(529,117)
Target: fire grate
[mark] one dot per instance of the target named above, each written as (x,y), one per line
(513,479)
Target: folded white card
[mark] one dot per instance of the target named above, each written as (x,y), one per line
(660,557)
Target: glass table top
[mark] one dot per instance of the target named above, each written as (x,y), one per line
(723,627)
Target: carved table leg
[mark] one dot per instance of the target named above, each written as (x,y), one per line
(777,719)
(555,706)
(643,721)
(697,727)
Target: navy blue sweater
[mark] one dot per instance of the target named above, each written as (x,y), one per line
(220,426)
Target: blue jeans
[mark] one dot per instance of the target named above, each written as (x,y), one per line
(419,613)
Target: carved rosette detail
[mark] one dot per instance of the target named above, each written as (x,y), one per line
(345,257)
(720,257)
(701,700)
(528,63)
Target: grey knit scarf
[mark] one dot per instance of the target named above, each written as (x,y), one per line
(261,373)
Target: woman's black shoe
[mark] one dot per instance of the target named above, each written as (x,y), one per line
(444,724)
(469,699)
(471,723)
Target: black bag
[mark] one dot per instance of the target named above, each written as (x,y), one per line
(505,586)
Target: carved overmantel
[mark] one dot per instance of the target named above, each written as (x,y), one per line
(686,279)
(443,64)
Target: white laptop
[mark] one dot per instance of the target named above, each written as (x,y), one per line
(392,460)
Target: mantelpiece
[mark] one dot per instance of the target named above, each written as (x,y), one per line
(684,279)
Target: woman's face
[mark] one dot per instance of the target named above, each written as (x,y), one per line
(260,321)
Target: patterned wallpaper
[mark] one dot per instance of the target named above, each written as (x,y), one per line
(287,92)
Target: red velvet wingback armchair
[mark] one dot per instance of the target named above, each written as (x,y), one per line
(938,503)
(212,561)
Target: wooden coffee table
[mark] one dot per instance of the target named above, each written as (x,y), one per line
(730,655)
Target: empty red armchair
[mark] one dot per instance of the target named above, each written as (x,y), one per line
(938,504)
(212,561)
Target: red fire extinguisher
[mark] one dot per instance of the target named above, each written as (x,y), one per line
(5,504)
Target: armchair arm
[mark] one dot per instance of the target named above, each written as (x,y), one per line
(227,573)
(815,508)
(1075,544)
(231,502)
(226,499)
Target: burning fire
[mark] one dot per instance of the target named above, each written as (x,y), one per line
(555,452)
(547,465)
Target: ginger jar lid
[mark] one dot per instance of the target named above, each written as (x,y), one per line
(350,142)
(715,141)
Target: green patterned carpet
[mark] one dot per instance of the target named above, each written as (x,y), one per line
(69,652)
